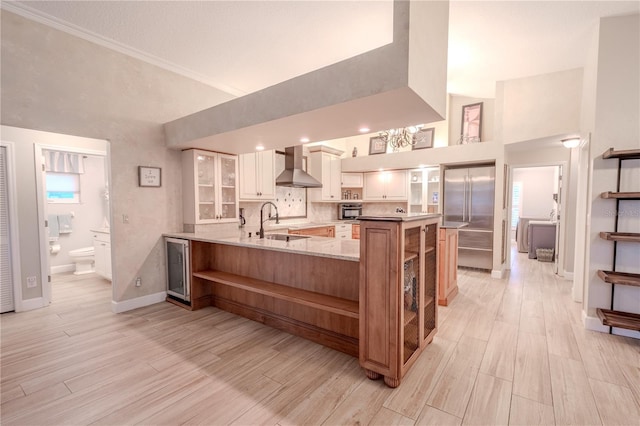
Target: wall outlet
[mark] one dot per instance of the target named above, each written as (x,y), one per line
(138,282)
(32,282)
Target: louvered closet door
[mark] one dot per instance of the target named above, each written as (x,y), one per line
(6,295)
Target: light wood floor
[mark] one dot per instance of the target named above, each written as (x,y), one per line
(509,351)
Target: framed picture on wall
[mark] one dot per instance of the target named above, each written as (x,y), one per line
(423,138)
(471,123)
(377,145)
(149,176)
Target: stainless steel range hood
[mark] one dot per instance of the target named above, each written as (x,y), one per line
(293,175)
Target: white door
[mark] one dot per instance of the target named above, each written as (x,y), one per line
(6,271)
(248,179)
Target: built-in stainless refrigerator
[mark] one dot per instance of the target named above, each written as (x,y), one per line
(469,195)
(178,270)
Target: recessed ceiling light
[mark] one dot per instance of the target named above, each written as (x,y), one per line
(364,129)
(259,147)
(304,140)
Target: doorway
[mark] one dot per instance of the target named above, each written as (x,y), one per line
(73,208)
(535,212)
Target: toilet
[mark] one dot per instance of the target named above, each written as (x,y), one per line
(84,259)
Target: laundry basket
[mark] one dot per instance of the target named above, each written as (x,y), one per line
(544,254)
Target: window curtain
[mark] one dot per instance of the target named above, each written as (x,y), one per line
(63,162)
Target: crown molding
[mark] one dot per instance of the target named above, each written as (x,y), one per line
(58,24)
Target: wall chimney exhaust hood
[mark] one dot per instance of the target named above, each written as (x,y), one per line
(293,175)
(396,85)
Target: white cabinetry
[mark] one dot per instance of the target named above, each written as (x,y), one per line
(324,165)
(343,231)
(386,186)
(209,188)
(424,190)
(258,176)
(102,248)
(352,180)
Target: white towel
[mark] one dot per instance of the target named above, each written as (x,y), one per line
(64,222)
(54,229)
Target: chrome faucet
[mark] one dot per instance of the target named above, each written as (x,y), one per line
(262,221)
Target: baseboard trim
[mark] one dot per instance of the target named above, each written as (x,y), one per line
(593,323)
(568,275)
(497,273)
(30,304)
(138,302)
(63,268)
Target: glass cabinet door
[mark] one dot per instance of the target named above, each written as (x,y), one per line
(411,292)
(205,167)
(228,201)
(430,278)
(415,197)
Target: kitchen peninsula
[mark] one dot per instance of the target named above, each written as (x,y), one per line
(309,286)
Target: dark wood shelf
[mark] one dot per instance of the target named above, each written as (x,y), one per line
(628,154)
(621,195)
(620,278)
(627,237)
(619,319)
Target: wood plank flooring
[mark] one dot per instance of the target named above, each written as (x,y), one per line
(509,351)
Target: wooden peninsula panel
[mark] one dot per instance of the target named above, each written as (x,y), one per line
(311,296)
(448,268)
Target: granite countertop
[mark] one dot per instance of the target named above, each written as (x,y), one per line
(312,246)
(401,217)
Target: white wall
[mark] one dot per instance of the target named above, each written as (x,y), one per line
(540,106)
(615,124)
(56,82)
(538,187)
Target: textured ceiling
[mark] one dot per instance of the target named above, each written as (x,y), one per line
(244,46)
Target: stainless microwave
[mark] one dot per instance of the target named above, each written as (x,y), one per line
(349,211)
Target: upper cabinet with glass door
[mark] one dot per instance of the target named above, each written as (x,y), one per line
(210,190)
(424,194)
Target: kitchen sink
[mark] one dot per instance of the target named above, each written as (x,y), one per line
(285,237)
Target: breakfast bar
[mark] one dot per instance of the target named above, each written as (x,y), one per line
(339,293)
(305,286)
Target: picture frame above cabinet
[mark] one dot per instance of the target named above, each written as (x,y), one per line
(209,187)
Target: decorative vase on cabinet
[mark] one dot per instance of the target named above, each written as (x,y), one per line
(398,284)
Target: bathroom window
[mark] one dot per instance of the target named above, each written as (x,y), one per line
(63,187)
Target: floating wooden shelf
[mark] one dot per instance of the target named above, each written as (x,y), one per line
(627,237)
(621,195)
(628,154)
(623,278)
(619,319)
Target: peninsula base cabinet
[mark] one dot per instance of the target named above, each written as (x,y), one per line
(448,265)
(398,285)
